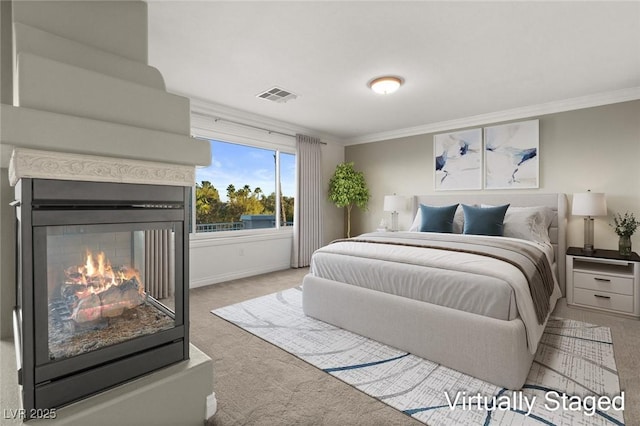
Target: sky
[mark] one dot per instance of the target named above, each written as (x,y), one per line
(242,165)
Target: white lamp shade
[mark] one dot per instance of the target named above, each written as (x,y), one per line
(394,203)
(589,204)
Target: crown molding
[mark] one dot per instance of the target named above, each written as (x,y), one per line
(589,101)
(204,110)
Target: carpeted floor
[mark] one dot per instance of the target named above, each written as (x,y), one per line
(258,384)
(573,358)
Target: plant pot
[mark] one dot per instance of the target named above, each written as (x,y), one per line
(624,245)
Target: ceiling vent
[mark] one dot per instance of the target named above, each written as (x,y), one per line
(277,94)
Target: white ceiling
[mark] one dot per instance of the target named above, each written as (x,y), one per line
(458,59)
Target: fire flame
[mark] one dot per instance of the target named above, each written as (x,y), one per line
(98,275)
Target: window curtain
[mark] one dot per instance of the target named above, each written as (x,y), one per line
(159,263)
(307,224)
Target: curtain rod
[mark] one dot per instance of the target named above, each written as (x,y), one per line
(216,119)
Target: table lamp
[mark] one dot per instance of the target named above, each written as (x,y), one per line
(394,203)
(589,204)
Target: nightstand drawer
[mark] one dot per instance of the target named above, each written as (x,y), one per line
(606,283)
(603,299)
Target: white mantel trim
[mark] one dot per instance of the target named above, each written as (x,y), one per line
(29,163)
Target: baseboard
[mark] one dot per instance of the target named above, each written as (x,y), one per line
(218,278)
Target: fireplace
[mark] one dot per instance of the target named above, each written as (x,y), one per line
(102,285)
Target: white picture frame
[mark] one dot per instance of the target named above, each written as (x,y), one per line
(512,155)
(457,160)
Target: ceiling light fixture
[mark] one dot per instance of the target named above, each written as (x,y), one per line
(385,85)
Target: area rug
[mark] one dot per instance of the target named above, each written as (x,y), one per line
(573,379)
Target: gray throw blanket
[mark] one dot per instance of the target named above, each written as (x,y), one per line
(532,262)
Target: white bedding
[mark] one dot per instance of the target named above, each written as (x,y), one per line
(464,281)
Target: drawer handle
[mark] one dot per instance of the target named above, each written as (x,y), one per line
(604,280)
(602,297)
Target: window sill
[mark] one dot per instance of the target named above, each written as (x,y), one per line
(202,239)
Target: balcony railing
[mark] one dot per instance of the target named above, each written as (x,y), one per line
(221,226)
(248,221)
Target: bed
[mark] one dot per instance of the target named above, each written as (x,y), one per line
(446,305)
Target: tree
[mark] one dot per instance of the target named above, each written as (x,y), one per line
(244,201)
(207,202)
(210,209)
(288,204)
(347,187)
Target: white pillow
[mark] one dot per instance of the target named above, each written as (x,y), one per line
(458,221)
(528,223)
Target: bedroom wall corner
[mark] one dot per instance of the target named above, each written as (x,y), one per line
(400,166)
(334,218)
(592,148)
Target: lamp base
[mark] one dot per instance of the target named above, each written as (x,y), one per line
(588,235)
(394,222)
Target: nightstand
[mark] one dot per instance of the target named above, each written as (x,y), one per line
(604,280)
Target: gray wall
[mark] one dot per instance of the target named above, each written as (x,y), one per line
(594,148)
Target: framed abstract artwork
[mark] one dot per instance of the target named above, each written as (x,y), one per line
(458,160)
(512,153)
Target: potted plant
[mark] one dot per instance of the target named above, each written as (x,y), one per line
(624,226)
(347,187)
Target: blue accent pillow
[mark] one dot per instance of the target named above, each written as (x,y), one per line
(437,219)
(484,221)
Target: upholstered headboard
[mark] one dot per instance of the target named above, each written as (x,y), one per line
(557,202)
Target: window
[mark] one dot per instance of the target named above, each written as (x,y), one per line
(245,187)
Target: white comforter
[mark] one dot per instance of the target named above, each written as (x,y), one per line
(470,282)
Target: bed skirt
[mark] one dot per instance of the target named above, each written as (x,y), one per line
(489,349)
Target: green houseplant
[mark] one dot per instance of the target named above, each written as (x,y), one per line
(625,226)
(347,187)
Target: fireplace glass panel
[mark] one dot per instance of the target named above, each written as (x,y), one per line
(107,284)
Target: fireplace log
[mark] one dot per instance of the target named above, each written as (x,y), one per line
(115,300)
(107,304)
(69,290)
(87,309)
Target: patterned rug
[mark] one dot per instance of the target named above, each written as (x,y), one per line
(573,379)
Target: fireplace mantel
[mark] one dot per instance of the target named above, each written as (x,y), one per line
(30,163)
